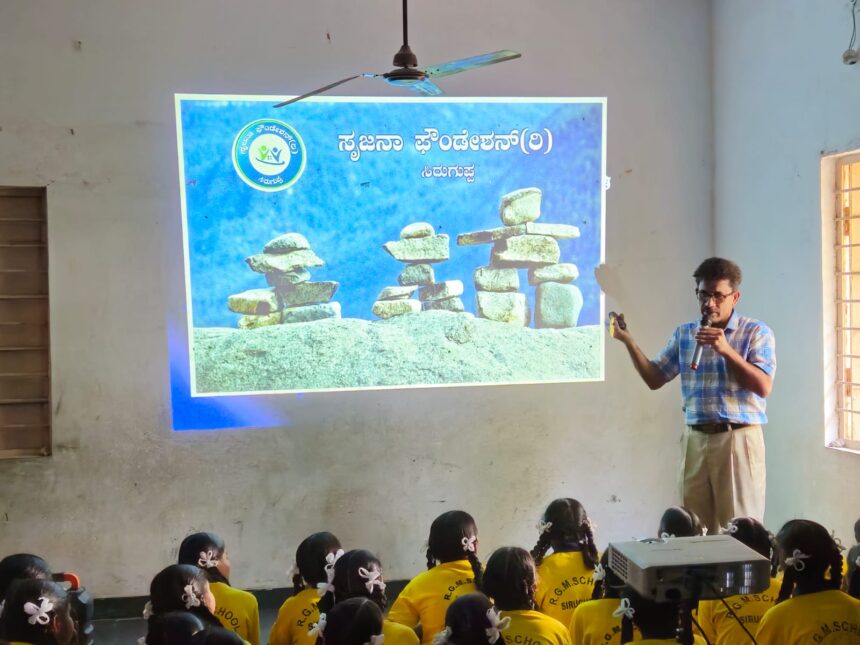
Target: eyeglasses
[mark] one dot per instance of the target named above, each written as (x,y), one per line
(719,298)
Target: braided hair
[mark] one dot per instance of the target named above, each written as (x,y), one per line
(752,533)
(610,586)
(467,619)
(510,579)
(450,535)
(658,620)
(310,560)
(566,527)
(349,582)
(799,538)
(680,521)
(204,550)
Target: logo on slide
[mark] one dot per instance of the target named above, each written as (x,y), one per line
(269,155)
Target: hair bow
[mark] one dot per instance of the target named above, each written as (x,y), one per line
(190,597)
(856,563)
(796,560)
(332,558)
(599,572)
(666,536)
(469,543)
(318,627)
(729,529)
(624,609)
(543,527)
(141,640)
(497,625)
(207,559)
(373,576)
(704,530)
(376,639)
(837,541)
(324,587)
(38,613)
(442,637)
(147,610)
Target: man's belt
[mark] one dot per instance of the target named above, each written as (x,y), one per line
(716,428)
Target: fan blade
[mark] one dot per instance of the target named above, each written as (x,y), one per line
(465,64)
(425,87)
(322,89)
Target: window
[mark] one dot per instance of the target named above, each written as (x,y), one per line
(847,252)
(25,407)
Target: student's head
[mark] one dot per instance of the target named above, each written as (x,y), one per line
(565,527)
(357,574)
(717,282)
(654,619)
(173,628)
(183,587)
(357,621)
(311,559)
(207,551)
(467,621)
(21,566)
(454,536)
(811,559)
(510,578)
(37,612)
(606,583)
(857,531)
(753,533)
(679,521)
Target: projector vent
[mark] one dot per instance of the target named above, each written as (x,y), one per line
(618,564)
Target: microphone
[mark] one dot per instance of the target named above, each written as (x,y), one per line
(697,355)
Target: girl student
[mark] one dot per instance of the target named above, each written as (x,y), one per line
(510,580)
(37,612)
(453,569)
(810,607)
(717,622)
(20,566)
(358,574)
(356,621)
(181,587)
(595,622)
(472,620)
(564,577)
(679,521)
(658,622)
(236,609)
(315,558)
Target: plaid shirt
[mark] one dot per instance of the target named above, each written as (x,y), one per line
(712,393)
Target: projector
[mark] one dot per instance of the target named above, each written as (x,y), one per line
(689,568)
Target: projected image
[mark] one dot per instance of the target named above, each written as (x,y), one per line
(350,244)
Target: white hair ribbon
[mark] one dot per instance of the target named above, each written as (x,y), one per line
(318,627)
(376,639)
(599,572)
(624,609)
(373,576)
(442,637)
(497,625)
(729,529)
(207,559)
(704,530)
(331,559)
(666,536)
(190,596)
(796,560)
(856,563)
(838,541)
(147,610)
(324,587)
(543,527)
(141,640)
(38,613)
(469,543)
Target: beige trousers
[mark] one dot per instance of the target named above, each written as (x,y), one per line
(723,475)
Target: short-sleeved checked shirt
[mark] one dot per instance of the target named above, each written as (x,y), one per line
(712,394)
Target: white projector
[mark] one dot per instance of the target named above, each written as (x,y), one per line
(689,568)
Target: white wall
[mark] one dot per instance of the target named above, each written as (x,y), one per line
(782,97)
(121,489)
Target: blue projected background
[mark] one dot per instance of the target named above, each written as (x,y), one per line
(348,206)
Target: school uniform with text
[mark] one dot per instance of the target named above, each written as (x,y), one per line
(531,627)
(564,581)
(831,617)
(722,628)
(295,618)
(592,623)
(426,598)
(238,611)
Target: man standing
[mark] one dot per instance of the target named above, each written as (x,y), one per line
(722,450)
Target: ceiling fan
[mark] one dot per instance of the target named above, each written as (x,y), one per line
(406,72)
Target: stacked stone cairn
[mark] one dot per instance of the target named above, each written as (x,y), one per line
(419,247)
(522,243)
(291,296)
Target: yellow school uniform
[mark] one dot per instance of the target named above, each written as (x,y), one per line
(722,628)
(697,640)
(238,611)
(830,617)
(592,623)
(397,634)
(564,581)
(295,618)
(427,596)
(531,627)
